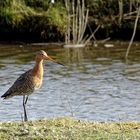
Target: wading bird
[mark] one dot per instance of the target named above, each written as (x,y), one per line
(29,81)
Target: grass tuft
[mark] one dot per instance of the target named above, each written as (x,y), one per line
(69,129)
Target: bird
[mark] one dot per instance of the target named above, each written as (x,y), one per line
(29,81)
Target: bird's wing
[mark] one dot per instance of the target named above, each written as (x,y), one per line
(23,85)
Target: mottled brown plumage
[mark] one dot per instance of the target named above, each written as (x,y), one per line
(29,81)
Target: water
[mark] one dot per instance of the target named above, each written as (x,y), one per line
(97,83)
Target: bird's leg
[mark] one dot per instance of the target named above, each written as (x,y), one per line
(26,100)
(24,107)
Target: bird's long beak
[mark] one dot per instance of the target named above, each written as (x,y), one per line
(49,58)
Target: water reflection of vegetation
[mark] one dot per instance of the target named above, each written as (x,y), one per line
(74,55)
(97,55)
(105,54)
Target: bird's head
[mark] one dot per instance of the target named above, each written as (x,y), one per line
(42,55)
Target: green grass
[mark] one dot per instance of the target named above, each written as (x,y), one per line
(20,17)
(69,129)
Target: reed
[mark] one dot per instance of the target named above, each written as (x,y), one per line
(77,19)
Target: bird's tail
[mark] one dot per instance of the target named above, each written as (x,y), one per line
(6,96)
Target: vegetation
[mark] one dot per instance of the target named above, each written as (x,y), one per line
(32,19)
(69,129)
(115,17)
(42,20)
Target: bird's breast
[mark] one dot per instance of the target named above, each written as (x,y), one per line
(37,74)
(37,82)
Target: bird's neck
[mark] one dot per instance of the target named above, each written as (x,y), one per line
(38,69)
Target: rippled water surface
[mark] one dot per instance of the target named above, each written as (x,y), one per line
(96,83)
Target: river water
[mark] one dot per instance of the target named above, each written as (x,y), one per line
(96,83)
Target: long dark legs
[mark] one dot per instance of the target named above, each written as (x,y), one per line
(24,107)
